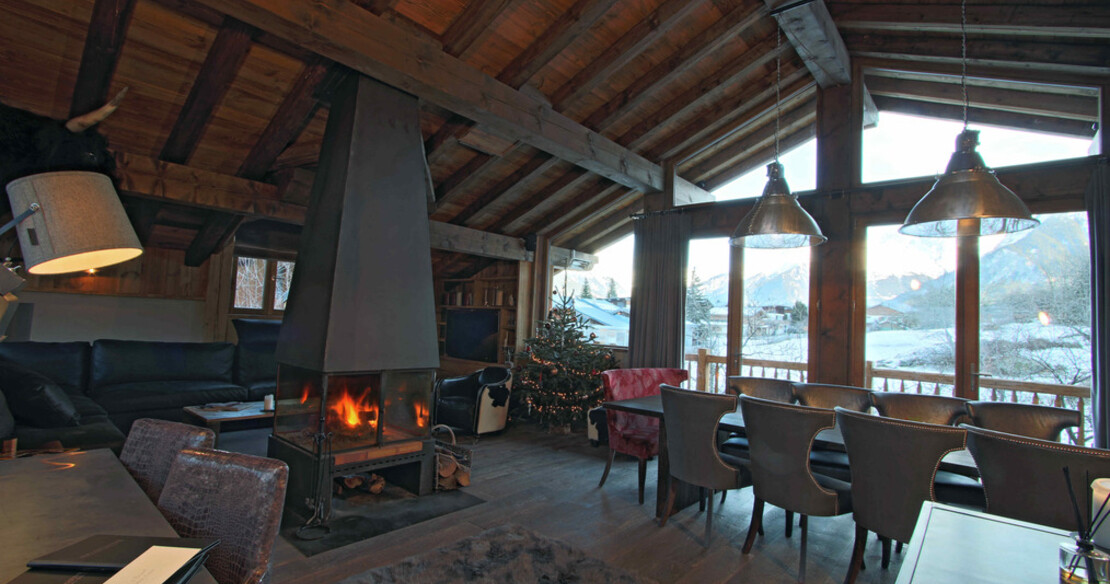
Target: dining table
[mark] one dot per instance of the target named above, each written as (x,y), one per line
(959,461)
(50,501)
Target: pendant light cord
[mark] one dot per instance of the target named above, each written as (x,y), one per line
(963,57)
(778,88)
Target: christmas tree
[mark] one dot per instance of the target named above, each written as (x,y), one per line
(560,368)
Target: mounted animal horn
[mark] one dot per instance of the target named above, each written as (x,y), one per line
(86,121)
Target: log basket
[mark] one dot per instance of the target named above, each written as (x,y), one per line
(453,462)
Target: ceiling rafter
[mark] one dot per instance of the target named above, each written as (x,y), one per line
(990,117)
(568,27)
(761,157)
(812,32)
(470,24)
(988,19)
(1009,100)
(508,187)
(590,204)
(565,183)
(107,30)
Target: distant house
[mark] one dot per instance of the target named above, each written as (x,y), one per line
(882,317)
(606,320)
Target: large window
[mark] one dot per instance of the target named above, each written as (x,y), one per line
(775,331)
(261,285)
(603,295)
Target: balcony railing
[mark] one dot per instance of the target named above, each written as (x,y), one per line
(707,373)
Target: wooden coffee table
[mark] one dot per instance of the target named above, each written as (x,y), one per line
(219,420)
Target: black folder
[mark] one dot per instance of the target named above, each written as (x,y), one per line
(109,553)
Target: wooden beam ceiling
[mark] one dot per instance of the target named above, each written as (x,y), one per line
(107,30)
(815,38)
(1074,107)
(990,117)
(1041,19)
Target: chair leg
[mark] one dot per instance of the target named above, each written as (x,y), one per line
(857,555)
(643,476)
(756,525)
(803,524)
(723,493)
(709,520)
(886,551)
(898,547)
(789,523)
(670,502)
(701,498)
(608,465)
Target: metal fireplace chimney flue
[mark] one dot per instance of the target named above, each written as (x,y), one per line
(357,351)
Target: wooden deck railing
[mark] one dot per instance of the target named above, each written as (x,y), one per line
(707,373)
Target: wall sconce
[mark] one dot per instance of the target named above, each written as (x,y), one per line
(70,221)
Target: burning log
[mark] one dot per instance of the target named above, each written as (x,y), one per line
(373,484)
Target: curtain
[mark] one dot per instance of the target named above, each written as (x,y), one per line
(1098,221)
(658,311)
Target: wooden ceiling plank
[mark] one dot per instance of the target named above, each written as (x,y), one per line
(1023,102)
(706,91)
(717,121)
(618,217)
(762,157)
(378,7)
(544,220)
(572,24)
(810,28)
(508,187)
(450,187)
(220,67)
(974,81)
(1034,123)
(1091,59)
(984,73)
(289,120)
(469,25)
(710,41)
(216,233)
(553,190)
(371,45)
(583,212)
(638,38)
(107,30)
(1008,21)
(143,215)
(792,120)
(611,237)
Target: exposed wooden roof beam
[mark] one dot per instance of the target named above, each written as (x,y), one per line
(1018,54)
(1022,102)
(1034,123)
(811,30)
(216,232)
(611,237)
(220,67)
(978,81)
(540,223)
(469,172)
(756,159)
(984,73)
(995,19)
(553,190)
(107,30)
(793,119)
(586,213)
(711,40)
(371,45)
(508,187)
(142,214)
(618,218)
(469,25)
(568,27)
(622,52)
(298,107)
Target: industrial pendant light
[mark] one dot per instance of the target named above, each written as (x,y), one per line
(777,220)
(967,199)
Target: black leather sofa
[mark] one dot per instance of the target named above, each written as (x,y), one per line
(112,383)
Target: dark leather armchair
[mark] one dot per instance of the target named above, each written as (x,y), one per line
(893,464)
(477,403)
(781,390)
(1040,422)
(930,409)
(691,419)
(152,446)
(1024,477)
(823,395)
(781,436)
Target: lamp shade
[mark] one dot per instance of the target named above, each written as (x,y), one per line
(777,220)
(968,200)
(81,224)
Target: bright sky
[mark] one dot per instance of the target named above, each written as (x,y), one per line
(899,146)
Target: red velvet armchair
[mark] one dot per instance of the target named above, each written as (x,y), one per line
(633,434)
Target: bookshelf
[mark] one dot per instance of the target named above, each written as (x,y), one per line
(495,287)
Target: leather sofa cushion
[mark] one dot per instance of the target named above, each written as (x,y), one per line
(122,362)
(255,367)
(7,421)
(254,353)
(34,399)
(65,363)
(152,395)
(96,434)
(87,408)
(457,412)
(260,389)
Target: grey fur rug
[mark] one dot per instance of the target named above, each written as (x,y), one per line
(506,554)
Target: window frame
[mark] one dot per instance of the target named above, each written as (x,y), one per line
(269,286)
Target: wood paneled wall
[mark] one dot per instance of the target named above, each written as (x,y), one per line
(158,273)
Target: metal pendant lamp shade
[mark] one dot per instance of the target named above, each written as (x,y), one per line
(777,220)
(968,200)
(80,224)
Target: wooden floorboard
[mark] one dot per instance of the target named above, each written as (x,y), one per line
(548,483)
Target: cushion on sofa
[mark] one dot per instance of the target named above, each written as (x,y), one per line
(87,408)
(34,399)
(155,395)
(254,354)
(7,421)
(121,362)
(66,363)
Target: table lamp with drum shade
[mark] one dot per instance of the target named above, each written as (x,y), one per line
(70,221)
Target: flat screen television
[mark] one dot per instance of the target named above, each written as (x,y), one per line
(471,334)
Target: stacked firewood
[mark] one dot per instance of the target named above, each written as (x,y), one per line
(453,470)
(363,483)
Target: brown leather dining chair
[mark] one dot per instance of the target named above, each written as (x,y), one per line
(893,467)
(930,409)
(236,498)
(763,387)
(833,463)
(1024,477)
(151,447)
(1040,422)
(691,418)
(781,436)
